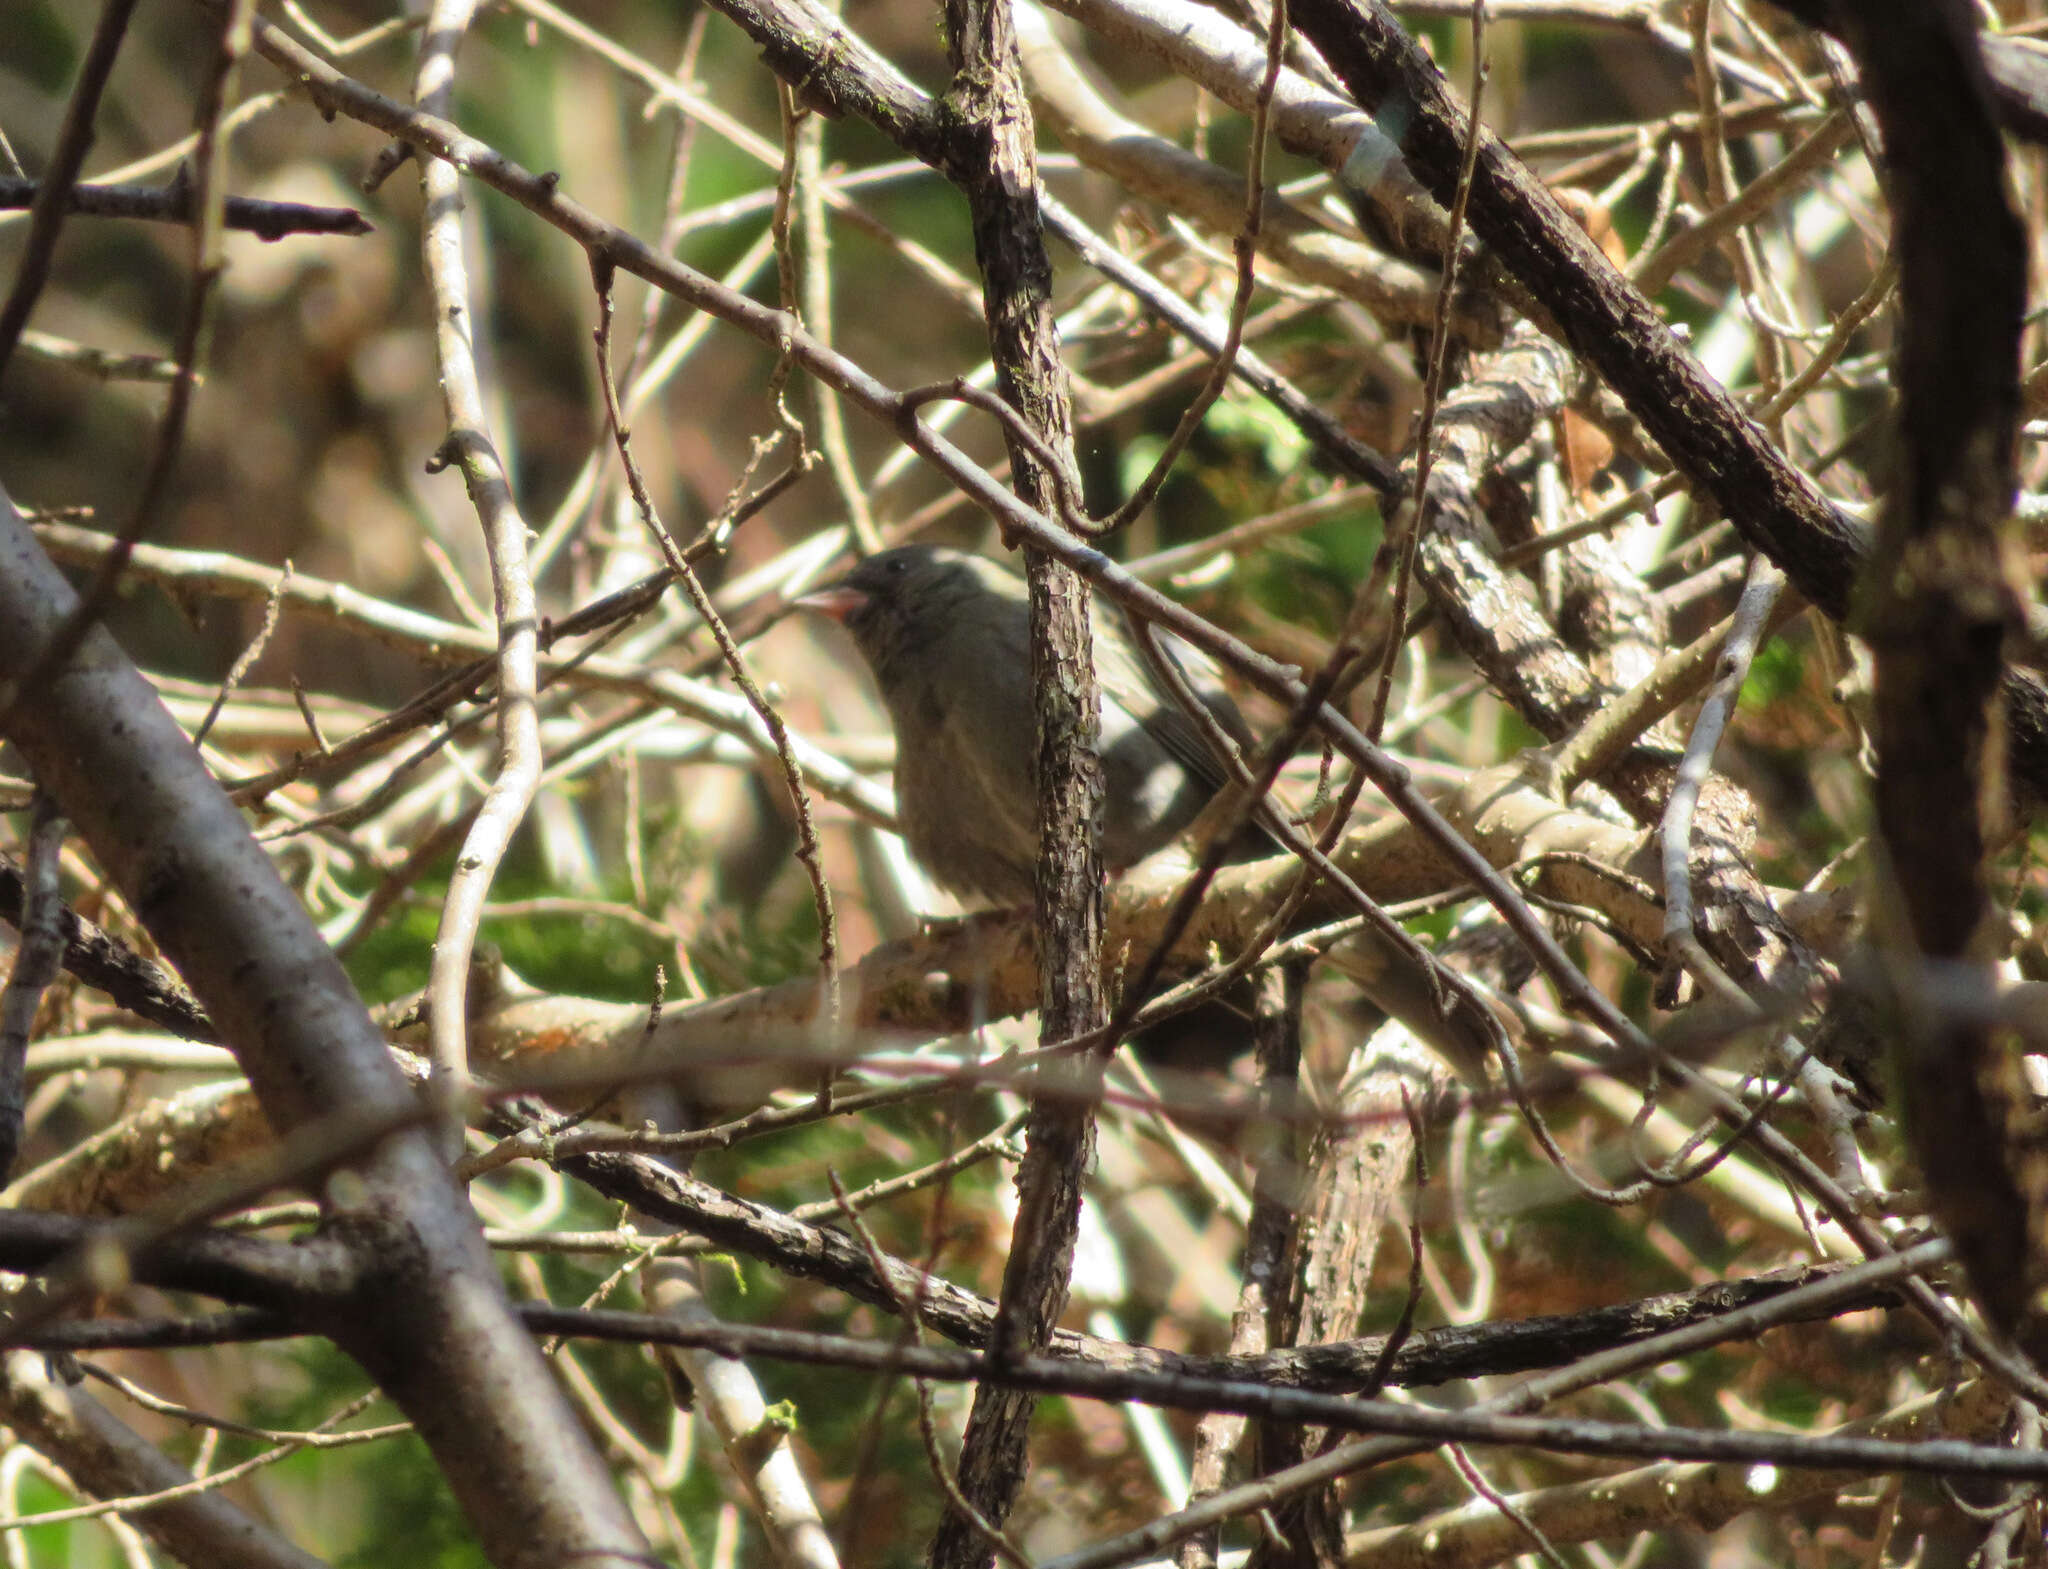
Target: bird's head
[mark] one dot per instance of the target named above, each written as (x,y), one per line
(899,603)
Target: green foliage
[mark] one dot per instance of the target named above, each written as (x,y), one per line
(406,1512)
(584,954)
(377,1503)
(1794,1402)
(760,946)
(1344,546)
(40,46)
(1136,458)
(77,1545)
(1252,425)
(1778,671)
(392,959)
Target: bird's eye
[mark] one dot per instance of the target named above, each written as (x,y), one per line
(897,567)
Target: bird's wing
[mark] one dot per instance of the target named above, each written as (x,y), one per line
(1130,682)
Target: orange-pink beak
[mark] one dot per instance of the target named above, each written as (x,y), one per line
(838,602)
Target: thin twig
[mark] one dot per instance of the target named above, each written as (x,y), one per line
(208,197)
(227,1476)
(1245,248)
(470,449)
(808,849)
(173,203)
(1746,631)
(1348,1458)
(93,362)
(239,670)
(1406,526)
(53,196)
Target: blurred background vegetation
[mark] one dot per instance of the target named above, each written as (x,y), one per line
(658,845)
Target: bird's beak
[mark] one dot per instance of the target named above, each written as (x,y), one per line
(837,601)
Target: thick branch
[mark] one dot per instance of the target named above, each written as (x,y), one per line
(1937,616)
(992,157)
(433,1325)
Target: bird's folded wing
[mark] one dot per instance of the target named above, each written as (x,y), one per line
(1129,681)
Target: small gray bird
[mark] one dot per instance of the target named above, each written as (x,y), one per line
(947,636)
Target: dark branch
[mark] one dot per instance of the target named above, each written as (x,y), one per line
(1430,1357)
(173,204)
(1607,322)
(144,988)
(1937,613)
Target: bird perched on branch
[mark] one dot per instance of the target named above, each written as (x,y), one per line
(947,636)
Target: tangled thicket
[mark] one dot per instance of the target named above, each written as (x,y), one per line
(1610,1135)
